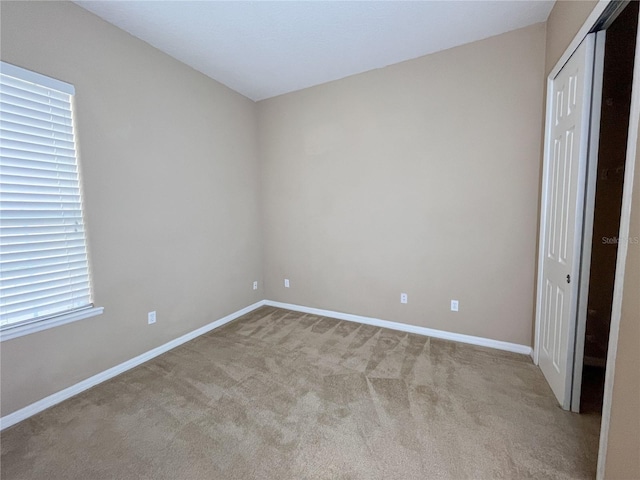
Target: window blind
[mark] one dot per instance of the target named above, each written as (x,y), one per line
(43,256)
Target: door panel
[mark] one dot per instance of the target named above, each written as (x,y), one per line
(564,203)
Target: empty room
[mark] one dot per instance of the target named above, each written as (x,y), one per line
(319,239)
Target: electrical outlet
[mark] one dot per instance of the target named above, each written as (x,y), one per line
(255,285)
(404,298)
(286,283)
(151,318)
(454,305)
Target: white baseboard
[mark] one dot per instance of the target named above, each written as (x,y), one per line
(51,400)
(430,332)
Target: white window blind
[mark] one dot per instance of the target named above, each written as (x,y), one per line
(44,271)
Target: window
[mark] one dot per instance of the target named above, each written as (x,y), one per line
(44,272)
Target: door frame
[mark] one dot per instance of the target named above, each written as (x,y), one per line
(625,218)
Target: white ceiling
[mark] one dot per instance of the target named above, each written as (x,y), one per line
(266,48)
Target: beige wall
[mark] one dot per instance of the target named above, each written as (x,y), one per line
(563,24)
(169,160)
(422,178)
(623,452)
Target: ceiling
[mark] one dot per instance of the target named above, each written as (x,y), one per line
(266,48)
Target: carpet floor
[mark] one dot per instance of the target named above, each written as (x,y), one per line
(284,395)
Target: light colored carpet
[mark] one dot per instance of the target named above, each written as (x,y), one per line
(283,395)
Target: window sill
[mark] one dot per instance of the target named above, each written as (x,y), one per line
(9,333)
